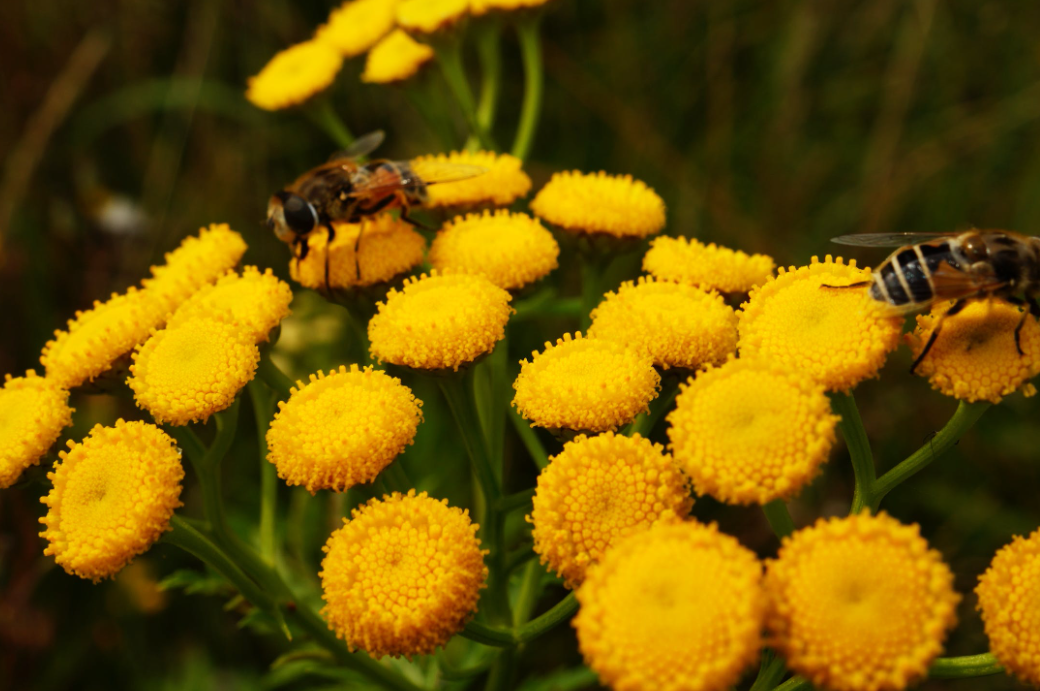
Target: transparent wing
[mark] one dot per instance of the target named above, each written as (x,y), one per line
(434,172)
(889,239)
(362,146)
(400,175)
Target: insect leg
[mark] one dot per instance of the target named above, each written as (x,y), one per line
(1034,310)
(408,219)
(859,284)
(328,252)
(957,307)
(357,253)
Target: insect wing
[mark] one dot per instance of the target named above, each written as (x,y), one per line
(889,239)
(949,283)
(434,172)
(362,146)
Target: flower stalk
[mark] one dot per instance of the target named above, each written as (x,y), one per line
(534,82)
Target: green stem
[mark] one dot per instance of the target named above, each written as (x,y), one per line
(530,589)
(534,81)
(488,635)
(512,502)
(592,268)
(503,671)
(322,114)
(488,41)
(770,672)
(855,436)
(645,423)
(779,518)
(520,556)
(263,407)
(965,666)
(561,612)
(529,438)
(274,377)
(420,99)
(449,57)
(795,684)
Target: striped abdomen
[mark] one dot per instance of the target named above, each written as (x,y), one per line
(905,278)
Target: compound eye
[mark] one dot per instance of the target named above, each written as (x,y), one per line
(299,215)
(974,249)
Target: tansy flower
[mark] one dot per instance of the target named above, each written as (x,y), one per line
(859,603)
(256,301)
(395,58)
(501,184)
(357,25)
(33,411)
(419,17)
(600,203)
(679,325)
(706,266)
(342,429)
(294,75)
(388,247)
(676,608)
(839,337)
(439,322)
(751,432)
(510,250)
(585,384)
(1009,597)
(198,261)
(402,576)
(974,356)
(113,496)
(597,491)
(187,372)
(480,7)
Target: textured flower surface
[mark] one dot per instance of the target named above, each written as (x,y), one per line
(256,301)
(403,575)
(430,16)
(342,429)
(751,432)
(859,603)
(395,58)
(33,411)
(501,184)
(679,325)
(597,491)
(839,337)
(294,75)
(113,496)
(676,608)
(600,203)
(198,261)
(357,25)
(706,266)
(388,247)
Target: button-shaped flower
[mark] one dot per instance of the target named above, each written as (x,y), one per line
(33,411)
(598,203)
(710,267)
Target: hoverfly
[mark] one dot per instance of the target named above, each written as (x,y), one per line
(930,267)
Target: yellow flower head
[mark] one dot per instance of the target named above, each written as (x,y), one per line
(974,357)
(859,603)
(294,75)
(403,575)
(342,429)
(256,301)
(198,261)
(97,337)
(388,247)
(502,183)
(33,411)
(439,321)
(510,250)
(680,326)
(597,491)
(706,266)
(585,384)
(395,58)
(1009,597)
(751,432)
(113,496)
(187,372)
(422,17)
(600,203)
(839,337)
(481,7)
(357,25)
(676,608)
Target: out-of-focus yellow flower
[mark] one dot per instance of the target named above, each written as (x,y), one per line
(859,603)
(585,384)
(597,491)
(342,429)
(676,608)
(294,75)
(600,203)
(510,250)
(395,58)
(679,325)
(256,301)
(402,576)
(481,7)
(388,247)
(439,321)
(141,587)
(113,496)
(839,337)
(502,184)
(974,356)
(751,432)
(198,261)
(187,372)
(420,17)
(33,411)
(1009,598)
(357,25)
(706,266)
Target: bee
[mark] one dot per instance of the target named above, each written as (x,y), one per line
(931,267)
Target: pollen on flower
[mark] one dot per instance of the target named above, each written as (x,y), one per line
(599,203)
(805,321)
(678,607)
(33,411)
(195,263)
(402,576)
(256,301)
(502,183)
(419,17)
(859,603)
(294,75)
(597,491)
(113,496)
(342,429)
(395,58)
(709,267)
(357,25)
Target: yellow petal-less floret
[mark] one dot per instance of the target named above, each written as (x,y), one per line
(198,261)
(342,429)
(481,7)
(510,250)
(859,603)
(33,411)
(395,58)
(256,301)
(294,75)
(402,576)
(357,25)
(679,325)
(113,496)
(709,267)
(751,432)
(423,17)
(585,384)
(501,184)
(597,491)
(839,337)
(600,203)
(678,607)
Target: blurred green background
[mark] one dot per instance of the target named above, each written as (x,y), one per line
(769,127)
